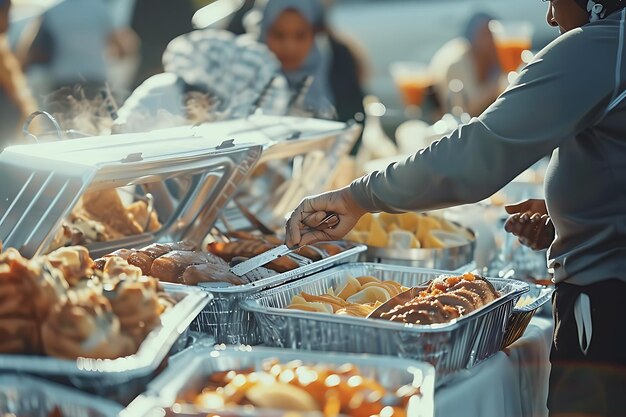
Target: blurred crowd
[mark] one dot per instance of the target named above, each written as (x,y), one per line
(102,66)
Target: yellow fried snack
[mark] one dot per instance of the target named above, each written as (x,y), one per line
(364,223)
(408,221)
(432,242)
(351,287)
(361,310)
(387,220)
(312,307)
(365,280)
(425,225)
(370,295)
(448,226)
(335,303)
(357,236)
(378,236)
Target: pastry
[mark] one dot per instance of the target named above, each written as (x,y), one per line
(19,335)
(120,253)
(139,213)
(106,207)
(74,262)
(28,288)
(85,327)
(136,304)
(118,269)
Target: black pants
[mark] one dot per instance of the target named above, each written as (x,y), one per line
(593,384)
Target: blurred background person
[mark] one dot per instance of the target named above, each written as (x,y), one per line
(156,23)
(466,69)
(71,45)
(16,102)
(296,32)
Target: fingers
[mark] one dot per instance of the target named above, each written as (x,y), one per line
(535,231)
(518,207)
(312,221)
(293,228)
(532,205)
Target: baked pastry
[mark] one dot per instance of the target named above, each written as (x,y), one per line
(19,335)
(85,327)
(106,207)
(28,288)
(74,262)
(137,306)
(99,263)
(118,269)
(139,213)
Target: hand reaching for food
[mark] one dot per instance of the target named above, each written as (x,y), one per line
(303,224)
(531,223)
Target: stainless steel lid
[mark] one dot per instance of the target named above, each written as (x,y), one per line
(43,182)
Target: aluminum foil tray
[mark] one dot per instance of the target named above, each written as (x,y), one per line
(225,320)
(190,369)
(123,378)
(450,347)
(26,396)
(521,316)
(449,259)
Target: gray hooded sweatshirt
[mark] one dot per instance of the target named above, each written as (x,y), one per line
(571,99)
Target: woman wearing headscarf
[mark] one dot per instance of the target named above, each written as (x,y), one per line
(569,100)
(295,31)
(473,60)
(15,100)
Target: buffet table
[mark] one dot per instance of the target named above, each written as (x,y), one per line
(512,383)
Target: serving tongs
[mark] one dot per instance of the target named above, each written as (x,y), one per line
(329,222)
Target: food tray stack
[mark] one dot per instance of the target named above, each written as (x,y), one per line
(26,396)
(122,378)
(450,347)
(191,369)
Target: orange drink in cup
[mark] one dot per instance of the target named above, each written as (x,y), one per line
(511,38)
(413,80)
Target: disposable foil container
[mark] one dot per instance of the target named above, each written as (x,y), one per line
(450,347)
(521,316)
(27,396)
(121,378)
(225,320)
(190,370)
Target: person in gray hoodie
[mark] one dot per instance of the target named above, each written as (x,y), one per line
(569,101)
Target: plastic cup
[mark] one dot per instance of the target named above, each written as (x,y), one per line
(413,80)
(512,38)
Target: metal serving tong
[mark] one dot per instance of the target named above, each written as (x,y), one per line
(329,222)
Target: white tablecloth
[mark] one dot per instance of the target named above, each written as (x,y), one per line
(512,383)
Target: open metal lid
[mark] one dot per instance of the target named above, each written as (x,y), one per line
(282,137)
(43,182)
